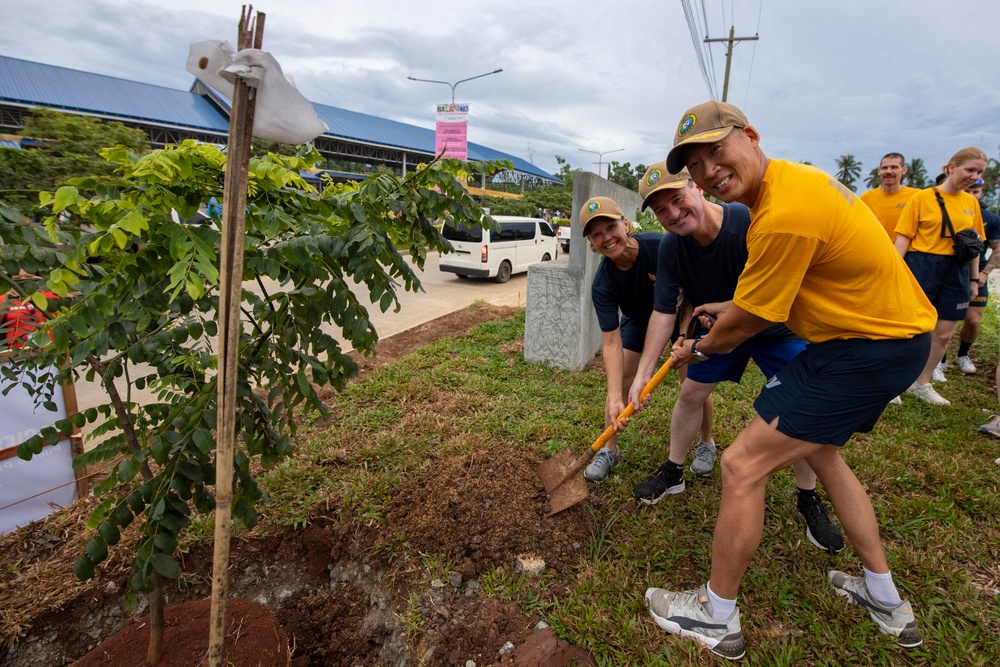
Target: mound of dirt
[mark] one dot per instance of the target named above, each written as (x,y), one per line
(253,637)
(483,510)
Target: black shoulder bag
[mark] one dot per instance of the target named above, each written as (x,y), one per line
(966,243)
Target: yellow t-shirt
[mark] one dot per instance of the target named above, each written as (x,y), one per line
(921,220)
(888,207)
(821,263)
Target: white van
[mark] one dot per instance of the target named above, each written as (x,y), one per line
(481,254)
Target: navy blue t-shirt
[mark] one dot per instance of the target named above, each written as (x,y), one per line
(991,222)
(630,291)
(706,273)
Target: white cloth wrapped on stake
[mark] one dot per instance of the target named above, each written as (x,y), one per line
(281,112)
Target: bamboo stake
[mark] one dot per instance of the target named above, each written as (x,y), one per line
(251,33)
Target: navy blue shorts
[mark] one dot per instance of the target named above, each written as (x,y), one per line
(982,298)
(945,283)
(770,355)
(837,388)
(633,334)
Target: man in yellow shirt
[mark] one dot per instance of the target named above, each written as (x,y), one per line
(887,200)
(820,262)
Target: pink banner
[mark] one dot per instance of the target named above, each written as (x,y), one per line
(451,131)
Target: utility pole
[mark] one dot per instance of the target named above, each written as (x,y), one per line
(729,56)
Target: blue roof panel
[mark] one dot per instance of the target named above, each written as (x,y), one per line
(27,82)
(30,83)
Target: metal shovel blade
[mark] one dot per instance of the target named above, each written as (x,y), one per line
(563,481)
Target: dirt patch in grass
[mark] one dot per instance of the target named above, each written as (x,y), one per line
(343,593)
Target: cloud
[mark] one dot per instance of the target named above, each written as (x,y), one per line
(823,80)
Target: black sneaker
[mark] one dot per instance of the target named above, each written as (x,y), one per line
(820,529)
(666,481)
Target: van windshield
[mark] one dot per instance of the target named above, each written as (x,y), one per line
(473,234)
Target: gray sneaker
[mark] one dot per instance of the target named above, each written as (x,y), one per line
(992,427)
(704,459)
(689,614)
(601,466)
(898,621)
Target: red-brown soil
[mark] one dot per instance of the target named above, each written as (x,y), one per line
(337,592)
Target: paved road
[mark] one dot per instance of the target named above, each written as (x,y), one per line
(443,293)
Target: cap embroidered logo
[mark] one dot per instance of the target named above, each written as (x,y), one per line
(687,124)
(593,206)
(653,176)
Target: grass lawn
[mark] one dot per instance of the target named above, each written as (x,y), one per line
(930,474)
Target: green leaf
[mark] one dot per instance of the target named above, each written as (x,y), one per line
(65,196)
(109,533)
(128,467)
(122,516)
(165,565)
(96,549)
(203,440)
(134,222)
(83,568)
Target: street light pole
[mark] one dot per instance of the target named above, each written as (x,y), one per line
(455,85)
(600,157)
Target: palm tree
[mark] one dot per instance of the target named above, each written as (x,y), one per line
(848,170)
(874,180)
(991,183)
(916,174)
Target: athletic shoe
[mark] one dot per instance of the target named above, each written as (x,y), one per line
(966,366)
(992,427)
(820,529)
(689,614)
(925,392)
(704,459)
(601,466)
(898,621)
(666,481)
(938,374)
(897,401)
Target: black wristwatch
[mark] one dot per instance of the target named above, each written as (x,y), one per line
(700,356)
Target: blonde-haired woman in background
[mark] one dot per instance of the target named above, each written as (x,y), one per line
(928,251)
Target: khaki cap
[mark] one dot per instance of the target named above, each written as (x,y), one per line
(658,178)
(703,124)
(599,207)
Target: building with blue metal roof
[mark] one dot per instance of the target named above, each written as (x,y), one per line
(169,116)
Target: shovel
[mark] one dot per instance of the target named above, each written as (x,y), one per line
(561,473)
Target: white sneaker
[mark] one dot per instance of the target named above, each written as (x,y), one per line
(938,374)
(966,366)
(925,392)
(897,401)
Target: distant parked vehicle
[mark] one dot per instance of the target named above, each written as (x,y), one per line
(564,232)
(478,253)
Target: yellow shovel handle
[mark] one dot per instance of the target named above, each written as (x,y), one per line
(630,409)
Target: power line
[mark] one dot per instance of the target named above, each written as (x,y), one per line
(696,41)
(753,54)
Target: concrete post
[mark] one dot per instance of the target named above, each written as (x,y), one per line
(560,327)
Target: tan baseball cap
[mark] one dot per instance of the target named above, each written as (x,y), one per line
(703,124)
(599,207)
(658,178)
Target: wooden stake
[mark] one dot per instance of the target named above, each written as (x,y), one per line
(251,34)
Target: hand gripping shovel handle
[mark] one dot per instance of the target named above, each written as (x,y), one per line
(630,409)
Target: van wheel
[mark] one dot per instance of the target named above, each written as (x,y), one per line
(503,273)
(546,258)
(462,276)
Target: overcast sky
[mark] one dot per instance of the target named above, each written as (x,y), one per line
(825,78)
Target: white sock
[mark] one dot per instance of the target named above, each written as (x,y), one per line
(882,588)
(722,609)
